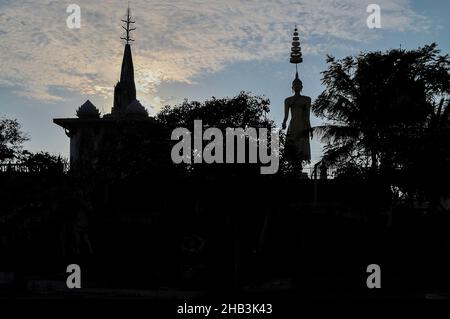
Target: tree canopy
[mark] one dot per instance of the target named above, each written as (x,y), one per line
(240,111)
(380,108)
(374,96)
(11,139)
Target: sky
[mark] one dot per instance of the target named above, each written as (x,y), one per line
(187,49)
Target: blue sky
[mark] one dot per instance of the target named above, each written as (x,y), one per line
(187,49)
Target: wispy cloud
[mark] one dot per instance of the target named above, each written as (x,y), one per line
(177,40)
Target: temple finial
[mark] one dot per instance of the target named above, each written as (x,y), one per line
(129,21)
(296,50)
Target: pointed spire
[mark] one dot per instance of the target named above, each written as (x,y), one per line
(127,71)
(125,89)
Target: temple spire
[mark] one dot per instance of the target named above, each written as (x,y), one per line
(125,89)
(127,71)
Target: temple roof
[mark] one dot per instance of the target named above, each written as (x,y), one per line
(88,110)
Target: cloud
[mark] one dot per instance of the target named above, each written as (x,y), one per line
(176,41)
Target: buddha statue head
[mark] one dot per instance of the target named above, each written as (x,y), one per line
(297,84)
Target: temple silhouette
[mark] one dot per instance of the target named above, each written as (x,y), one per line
(90,133)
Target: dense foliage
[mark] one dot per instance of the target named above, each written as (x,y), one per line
(387,114)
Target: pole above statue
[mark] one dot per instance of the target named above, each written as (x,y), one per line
(296,50)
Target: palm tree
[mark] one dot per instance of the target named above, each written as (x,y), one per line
(376,103)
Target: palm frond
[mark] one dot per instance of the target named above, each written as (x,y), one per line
(334,154)
(336,133)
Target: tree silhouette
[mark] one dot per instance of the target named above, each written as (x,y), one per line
(240,111)
(11,139)
(43,162)
(377,106)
